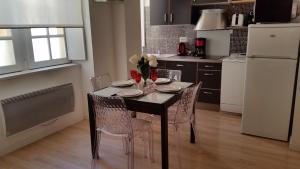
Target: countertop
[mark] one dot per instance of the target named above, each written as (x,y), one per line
(191,59)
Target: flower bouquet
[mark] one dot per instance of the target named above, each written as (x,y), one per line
(145,64)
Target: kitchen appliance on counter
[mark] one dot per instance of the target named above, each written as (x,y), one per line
(200,48)
(182,47)
(237,20)
(271,65)
(273,11)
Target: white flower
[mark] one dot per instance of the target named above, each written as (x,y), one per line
(134,59)
(153,63)
(152,57)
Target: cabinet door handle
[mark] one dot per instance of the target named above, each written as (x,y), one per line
(208,66)
(171,18)
(180,65)
(208,74)
(208,93)
(165,17)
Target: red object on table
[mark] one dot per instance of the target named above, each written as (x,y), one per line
(153,74)
(138,78)
(133,74)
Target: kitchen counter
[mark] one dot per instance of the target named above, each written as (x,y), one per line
(191,59)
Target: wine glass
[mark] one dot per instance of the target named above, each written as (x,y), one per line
(153,74)
(138,78)
(133,74)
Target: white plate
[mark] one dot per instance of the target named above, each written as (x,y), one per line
(130,93)
(162,81)
(168,88)
(123,83)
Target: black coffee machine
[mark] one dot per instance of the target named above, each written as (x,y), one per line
(200,48)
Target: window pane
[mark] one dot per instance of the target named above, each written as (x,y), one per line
(56,31)
(7,56)
(58,48)
(40,49)
(5,32)
(38,31)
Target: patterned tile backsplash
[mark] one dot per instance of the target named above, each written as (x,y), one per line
(164,38)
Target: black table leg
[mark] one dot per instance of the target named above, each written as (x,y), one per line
(92,121)
(164,140)
(192,135)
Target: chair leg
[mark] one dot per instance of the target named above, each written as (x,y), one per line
(125,145)
(130,144)
(98,144)
(150,145)
(178,145)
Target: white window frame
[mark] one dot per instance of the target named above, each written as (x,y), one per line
(23,50)
(19,66)
(32,64)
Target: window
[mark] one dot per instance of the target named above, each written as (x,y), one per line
(7,54)
(22,49)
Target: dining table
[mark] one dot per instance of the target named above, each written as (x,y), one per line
(154,102)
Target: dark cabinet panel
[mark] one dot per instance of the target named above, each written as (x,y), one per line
(158,12)
(188,69)
(210,79)
(210,66)
(209,96)
(168,12)
(180,12)
(162,64)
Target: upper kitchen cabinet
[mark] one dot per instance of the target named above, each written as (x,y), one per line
(170,12)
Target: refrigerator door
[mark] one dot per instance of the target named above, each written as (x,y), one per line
(268,97)
(272,42)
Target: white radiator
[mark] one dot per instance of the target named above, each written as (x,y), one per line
(28,110)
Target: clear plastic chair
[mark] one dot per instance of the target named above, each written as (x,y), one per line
(182,113)
(174,75)
(101,81)
(113,118)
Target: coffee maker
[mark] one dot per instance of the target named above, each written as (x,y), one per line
(200,48)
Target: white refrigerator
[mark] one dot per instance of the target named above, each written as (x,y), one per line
(272,55)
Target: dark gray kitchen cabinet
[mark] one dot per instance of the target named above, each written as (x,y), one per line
(158,12)
(168,12)
(188,70)
(210,75)
(206,72)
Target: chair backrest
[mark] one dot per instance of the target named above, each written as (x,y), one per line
(100,82)
(111,114)
(187,102)
(170,74)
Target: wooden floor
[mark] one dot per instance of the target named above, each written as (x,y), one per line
(220,146)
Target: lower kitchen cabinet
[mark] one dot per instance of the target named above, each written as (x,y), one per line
(188,70)
(209,73)
(210,79)
(209,96)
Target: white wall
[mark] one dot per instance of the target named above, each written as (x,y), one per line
(28,83)
(119,35)
(87,67)
(103,39)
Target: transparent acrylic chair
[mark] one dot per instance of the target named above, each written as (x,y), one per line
(182,113)
(101,81)
(113,118)
(174,75)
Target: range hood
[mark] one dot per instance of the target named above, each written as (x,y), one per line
(212,19)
